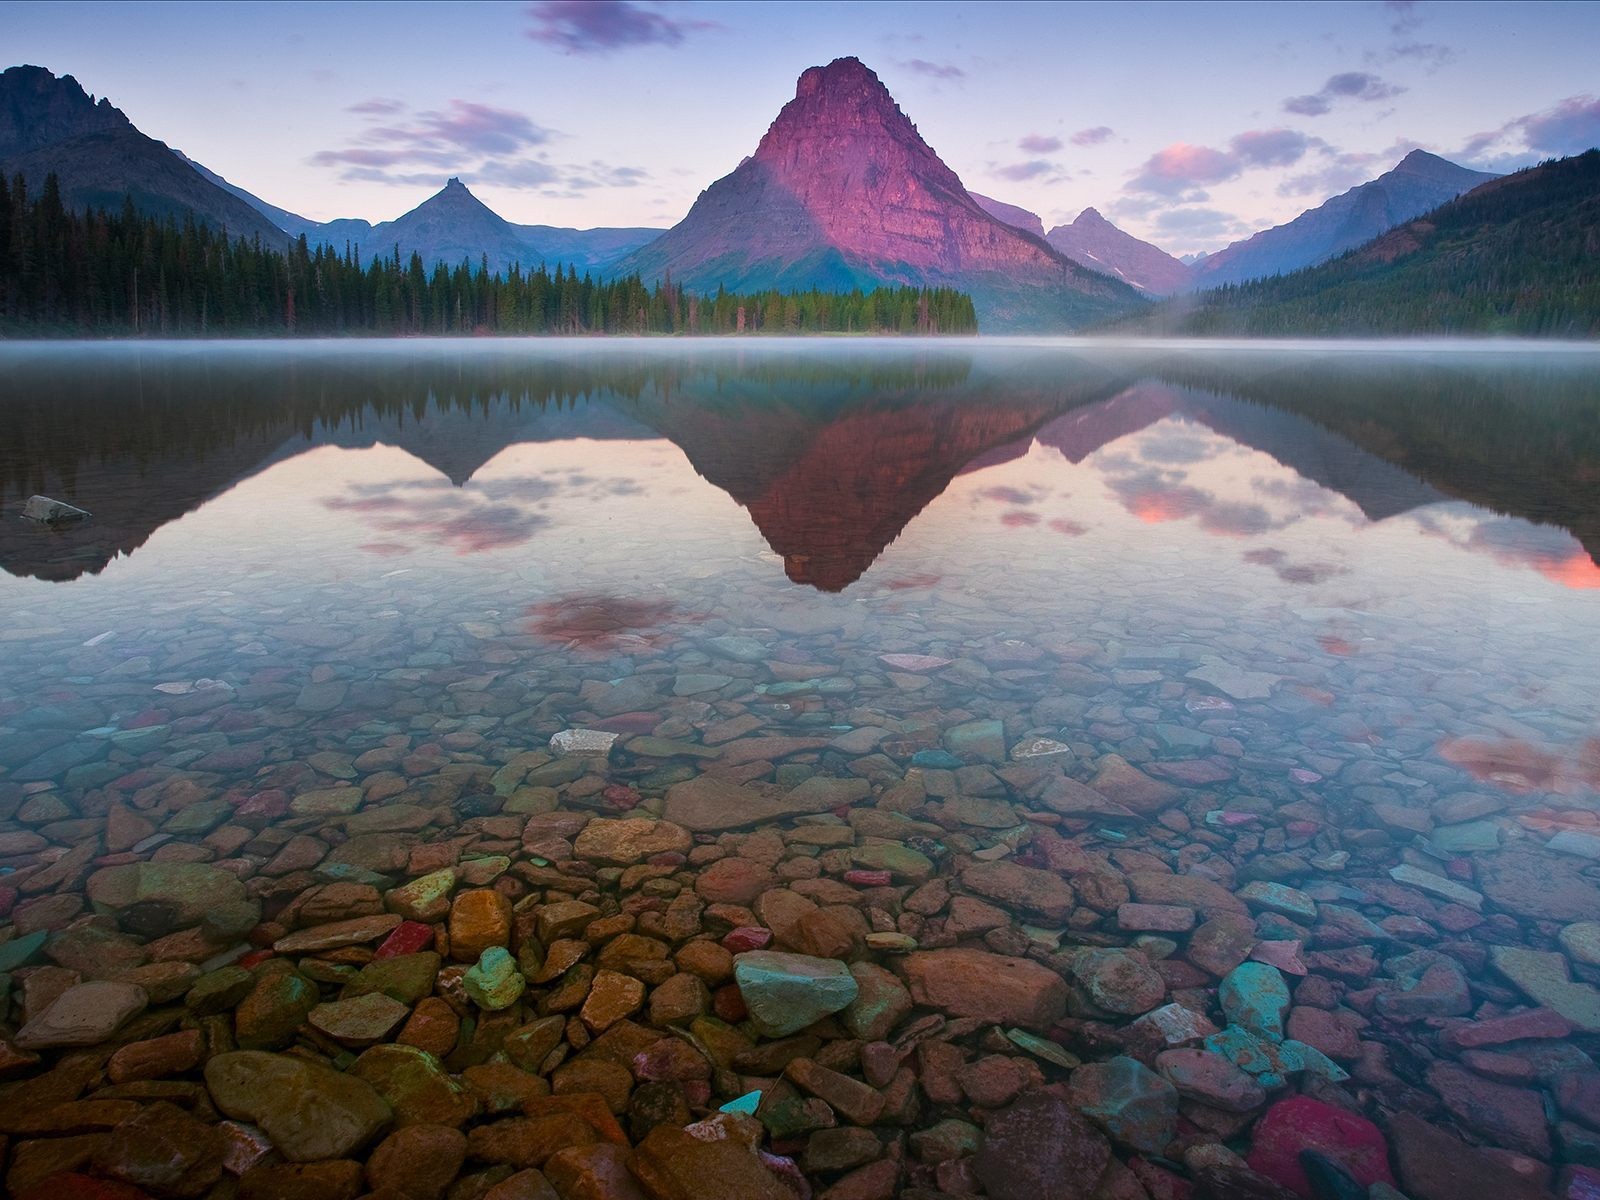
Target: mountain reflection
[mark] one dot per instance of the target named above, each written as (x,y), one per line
(832,451)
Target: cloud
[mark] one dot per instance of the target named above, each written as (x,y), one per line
(604,26)
(1018,172)
(1349,85)
(1198,223)
(933,70)
(478,142)
(1568,127)
(1036,143)
(1092,137)
(1179,168)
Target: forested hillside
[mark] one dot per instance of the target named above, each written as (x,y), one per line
(1514,256)
(119,274)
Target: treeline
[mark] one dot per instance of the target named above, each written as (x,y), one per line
(120,274)
(1516,256)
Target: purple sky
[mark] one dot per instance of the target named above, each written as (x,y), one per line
(1188,124)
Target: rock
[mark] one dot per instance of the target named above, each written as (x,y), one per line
(160,897)
(356,932)
(1235,682)
(1512,1117)
(156,1058)
(1542,975)
(425,898)
(269,1017)
(52,512)
(1027,888)
(621,843)
(612,997)
(676,1164)
(405,977)
(733,881)
(786,992)
(479,918)
(1210,1079)
(309,1111)
(597,1172)
(994,987)
(1255,996)
(1435,1165)
(1119,981)
(359,1022)
(1544,887)
(1120,782)
(1040,1147)
(881,1003)
(83,1015)
(164,1150)
(1133,1104)
(708,804)
(417,1163)
(983,741)
(1436,885)
(1581,941)
(415,1086)
(851,1098)
(1301,1123)
(494,982)
(595,742)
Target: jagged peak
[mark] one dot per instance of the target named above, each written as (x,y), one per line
(454,182)
(1090,216)
(848,71)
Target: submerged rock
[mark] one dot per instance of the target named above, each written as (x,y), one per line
(52,512)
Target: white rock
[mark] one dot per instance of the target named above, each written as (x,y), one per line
(52,512)
(583,741)
(1040,748)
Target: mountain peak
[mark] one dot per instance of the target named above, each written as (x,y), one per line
(1090,216)
(841,73)
(454,182)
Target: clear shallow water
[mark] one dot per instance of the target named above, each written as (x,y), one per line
(1344,600)
(1405,543)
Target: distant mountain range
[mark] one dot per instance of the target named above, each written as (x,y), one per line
(1515,255)
(843,192)
(1420,183)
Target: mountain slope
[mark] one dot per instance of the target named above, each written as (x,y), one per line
(1515,255)
(1419,183)
(1011,214)
(842,192)
(291,223)
(49,125)
(1101,246)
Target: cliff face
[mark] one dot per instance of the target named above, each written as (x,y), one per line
(842,191)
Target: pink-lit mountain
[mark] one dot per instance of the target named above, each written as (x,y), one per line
(843,191)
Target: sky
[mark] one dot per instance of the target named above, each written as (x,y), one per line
(1190,125)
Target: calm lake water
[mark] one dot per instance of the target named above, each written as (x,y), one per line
(1345,599)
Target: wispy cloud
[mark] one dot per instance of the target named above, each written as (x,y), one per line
(479,142)
(1031,169)
(1179,169)
(933,70)
(1348,85)
(1093,136)
(606,26)
(1036,143)
(1569,127)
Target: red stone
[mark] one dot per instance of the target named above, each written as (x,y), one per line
(1301,1123)
(271,804)
(746,937)
(1535,1023)
(728,1003)
(408,937)
(8,897)
(865,878)
(634,722)
(254,958)
(620,796)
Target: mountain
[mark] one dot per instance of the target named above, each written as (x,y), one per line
(1419,183)
(843,192)
(1101,246)
(1514,256)
(594,250)
(50,125)
(452,225)
(291,223)
(1011,214)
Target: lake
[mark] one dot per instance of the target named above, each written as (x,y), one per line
(1139,664)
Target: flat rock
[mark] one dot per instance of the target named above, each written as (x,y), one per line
(786,992)
(1435,1165)
(975,983)
(83,1015)
(621,843)
(1543,976)
(309,1111)
(1122,783)
(1041,1147)
(1041,892)
(1544,887)
(182,893)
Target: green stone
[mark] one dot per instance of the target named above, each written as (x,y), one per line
(985,740)
(19,950)
(1255,997)
(1043,1048)
(268,1018)
(786,992)
(327,802)
(187,891)
(218,991)
(1543,976)
(494,982)
(1279,898)
(904,863)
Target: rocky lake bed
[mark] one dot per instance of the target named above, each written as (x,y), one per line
(590,853)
